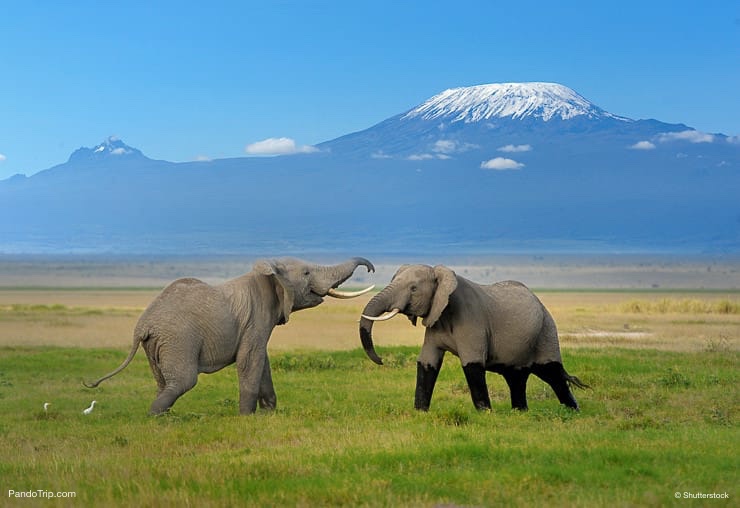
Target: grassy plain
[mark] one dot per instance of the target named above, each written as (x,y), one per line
(660,419)
(678,320)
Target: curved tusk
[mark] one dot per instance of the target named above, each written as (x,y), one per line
(349,294)
(383,317)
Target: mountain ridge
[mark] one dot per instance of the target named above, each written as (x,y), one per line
(405,183)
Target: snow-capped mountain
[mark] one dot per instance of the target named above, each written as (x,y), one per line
(484,117)
(508,100)
(110,148)
(475,169)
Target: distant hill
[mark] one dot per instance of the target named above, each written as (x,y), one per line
(490,168)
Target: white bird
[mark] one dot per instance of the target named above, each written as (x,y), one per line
(90,409)
(46,406)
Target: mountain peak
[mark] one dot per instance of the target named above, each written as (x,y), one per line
(111,147)
(512,100)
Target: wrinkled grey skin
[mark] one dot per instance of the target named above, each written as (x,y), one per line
(193,327)
(502,327)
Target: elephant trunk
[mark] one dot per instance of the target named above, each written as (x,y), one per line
(376,306)
(335,275)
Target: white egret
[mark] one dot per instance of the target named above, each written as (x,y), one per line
(90,409)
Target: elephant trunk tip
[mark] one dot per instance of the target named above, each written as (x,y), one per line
(374,357)
(364,262)
(367,344)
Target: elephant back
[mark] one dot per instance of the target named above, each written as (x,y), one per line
(186,306)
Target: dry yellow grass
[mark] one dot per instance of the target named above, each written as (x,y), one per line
(106,318)
(87,318)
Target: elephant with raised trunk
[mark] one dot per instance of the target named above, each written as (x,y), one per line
(193,327)
(502,327)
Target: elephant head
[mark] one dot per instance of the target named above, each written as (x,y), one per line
(304,285)
(415,291)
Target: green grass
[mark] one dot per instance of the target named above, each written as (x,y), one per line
(345,434)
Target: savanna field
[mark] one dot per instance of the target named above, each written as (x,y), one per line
(658,424)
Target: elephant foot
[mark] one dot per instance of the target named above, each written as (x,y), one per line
(268,403)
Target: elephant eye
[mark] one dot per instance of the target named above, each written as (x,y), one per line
(413,289)
(307,273)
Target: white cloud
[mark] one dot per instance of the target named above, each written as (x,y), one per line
(380,154)
(735,140)
(428,156)
(643,145)
(501,163)
(202,158)
(277,146)
(691,136)
(515,148)
(452,146)
(118,151)
(444,146)
(2,157)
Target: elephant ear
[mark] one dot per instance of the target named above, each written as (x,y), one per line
(283,288)
(446,284)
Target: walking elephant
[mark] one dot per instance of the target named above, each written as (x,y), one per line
(193,327)
(502,327)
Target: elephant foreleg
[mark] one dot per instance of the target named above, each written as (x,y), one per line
(250,366)
(475,374)
(267,397)
(426,378)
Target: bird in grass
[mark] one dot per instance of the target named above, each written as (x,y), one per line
(46,406)
(90,409)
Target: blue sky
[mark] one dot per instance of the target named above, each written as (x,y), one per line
(187,80)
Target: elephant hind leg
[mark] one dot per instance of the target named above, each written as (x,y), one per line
(157,373)
(517,381)
(554,374)
(174,379)
(174,388)
(475,374)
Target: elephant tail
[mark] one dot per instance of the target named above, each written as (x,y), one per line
(574,381)
(138,339)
